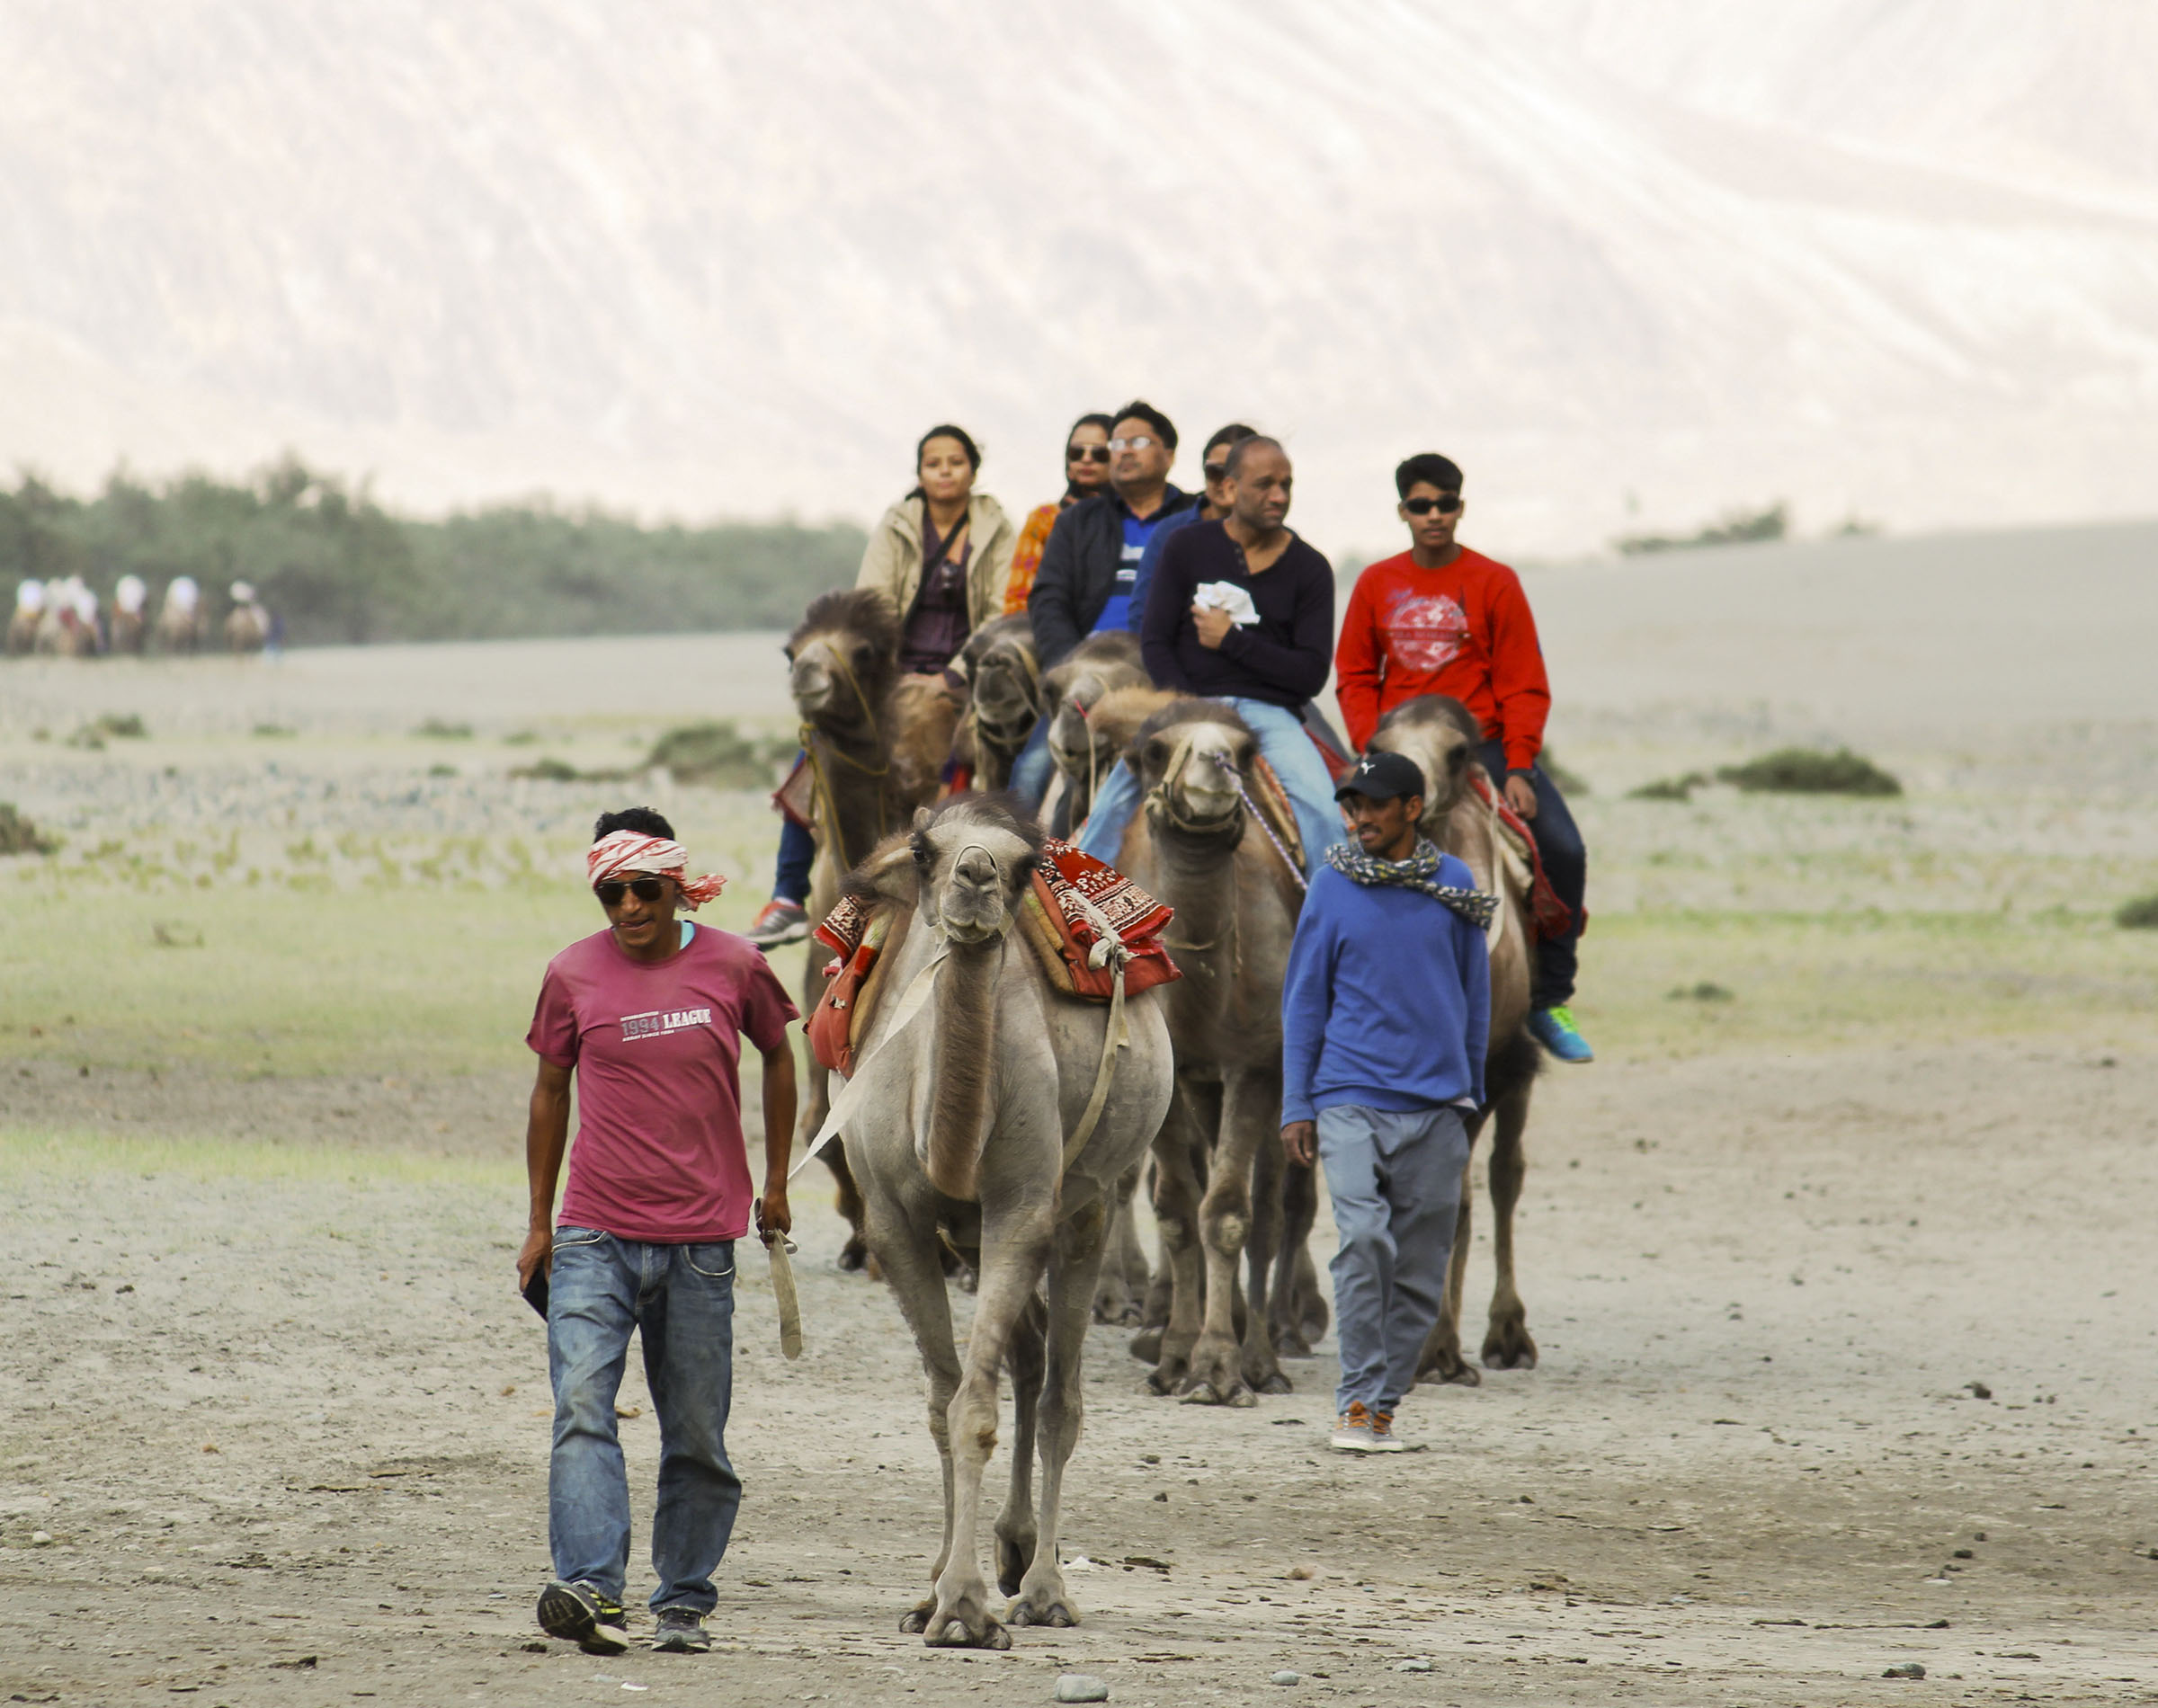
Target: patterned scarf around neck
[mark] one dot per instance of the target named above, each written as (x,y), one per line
(1420,871)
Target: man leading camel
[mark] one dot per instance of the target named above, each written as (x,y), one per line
(1385,1015)
(1242,610)
(648,1015)
(1441,618)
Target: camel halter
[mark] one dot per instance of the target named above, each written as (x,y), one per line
(1014,734)
(1108,951)
(820,784)
(1161,799)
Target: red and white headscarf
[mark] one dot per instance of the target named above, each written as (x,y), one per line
(620,853)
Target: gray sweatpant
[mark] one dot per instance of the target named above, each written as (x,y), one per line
(1396,1182)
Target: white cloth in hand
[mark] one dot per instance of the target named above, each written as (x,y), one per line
(1226,596)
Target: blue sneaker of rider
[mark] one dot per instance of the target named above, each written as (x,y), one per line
(1554,1028)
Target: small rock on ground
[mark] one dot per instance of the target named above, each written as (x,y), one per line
(1285,1676)
(1079,1687)
(1908,1669)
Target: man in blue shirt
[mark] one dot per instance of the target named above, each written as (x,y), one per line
(1385,1013)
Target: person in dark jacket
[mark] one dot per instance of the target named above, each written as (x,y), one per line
(1241,611)
(1093,557)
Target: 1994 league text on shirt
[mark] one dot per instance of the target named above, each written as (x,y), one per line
(657,1046)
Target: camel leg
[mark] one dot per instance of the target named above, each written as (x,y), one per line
(1155,1314)
(1507,1343)
(1010,1265)
(1043,1598)
(1015,1530)
(909,1261)
(1264,1309)
(1218,1362)
(1176,1201)
(1293,1305)
(1117,1299)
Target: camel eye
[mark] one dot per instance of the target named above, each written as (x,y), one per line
(1158,754)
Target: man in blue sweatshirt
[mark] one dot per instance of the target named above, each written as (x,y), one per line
(1385,1015)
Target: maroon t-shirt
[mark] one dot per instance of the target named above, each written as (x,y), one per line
(659,1154)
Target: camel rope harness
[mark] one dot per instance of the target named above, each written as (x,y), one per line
(1108,951)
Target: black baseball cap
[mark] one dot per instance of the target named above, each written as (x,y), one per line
(1383,777)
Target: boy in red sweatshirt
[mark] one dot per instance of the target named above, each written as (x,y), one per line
(1441,618)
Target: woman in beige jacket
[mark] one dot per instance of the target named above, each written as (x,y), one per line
(942,555)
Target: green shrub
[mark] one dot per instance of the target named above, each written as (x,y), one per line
(125,726)
(718,754)
(1568,783)
(1706,991)
(434,729)
(549,771)
(1804,770)
(19,835)
(2138,915)
(1738,528)
(1668,788)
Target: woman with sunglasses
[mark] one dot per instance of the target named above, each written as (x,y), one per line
(1086,473)
(1442,618)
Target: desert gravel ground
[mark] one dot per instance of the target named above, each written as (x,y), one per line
(282,1421)
(1841,1276)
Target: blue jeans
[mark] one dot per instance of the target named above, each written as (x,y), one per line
(683,1298)
(1395,1183)
(1031,771)
(1566,859)
(1287,748)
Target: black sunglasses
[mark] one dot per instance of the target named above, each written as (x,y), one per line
(1446,504)
(649,889)
(1086,454)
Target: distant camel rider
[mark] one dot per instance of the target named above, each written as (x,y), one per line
(1441,618)
(942,555)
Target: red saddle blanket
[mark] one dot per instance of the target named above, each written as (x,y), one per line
(1549,915)
(1051,918)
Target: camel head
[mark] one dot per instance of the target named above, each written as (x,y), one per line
(1440,734)
(964,866)
(842,658)
(999,663)
(1190,758)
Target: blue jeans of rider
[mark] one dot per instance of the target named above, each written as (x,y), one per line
(1395,1181)
(1287,748)
(683,1299)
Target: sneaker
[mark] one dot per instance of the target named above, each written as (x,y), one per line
(781,923)
(681,1632)
(1352,1431)
(1383,1438)
(584,1614)
(1554,1028)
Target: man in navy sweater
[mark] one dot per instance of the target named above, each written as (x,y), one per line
(1385,1015)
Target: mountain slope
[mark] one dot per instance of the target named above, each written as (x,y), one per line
(700,259)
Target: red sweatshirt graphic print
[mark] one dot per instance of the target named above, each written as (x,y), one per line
(1464,629)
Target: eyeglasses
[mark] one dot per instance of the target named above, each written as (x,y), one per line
(647,889)
(1138,441)
(1446,504)
(1218,471)
(1086,454)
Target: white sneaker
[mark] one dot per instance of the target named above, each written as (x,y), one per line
(1383,1438)
(1352,1431)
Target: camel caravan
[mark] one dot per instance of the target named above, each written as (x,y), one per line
(63,618)
(1015,1034)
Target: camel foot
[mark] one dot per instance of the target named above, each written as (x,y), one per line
(1146,1345)
(1449,1365)
(1118,1311)
(1014,1555)
(1317,1320)
(1290,1343)
(1206,1393)
(1509,1346)
(914,1621)
(965,1625)
(1274,1383)
(854,1256)
(1046,1603)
